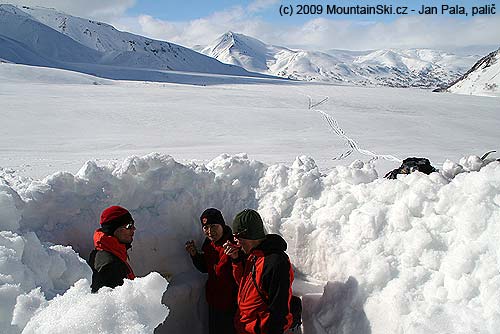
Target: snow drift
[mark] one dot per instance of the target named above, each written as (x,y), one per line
(414,255)
(132,308)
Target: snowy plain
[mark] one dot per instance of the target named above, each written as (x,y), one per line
(418,254)
(80,117)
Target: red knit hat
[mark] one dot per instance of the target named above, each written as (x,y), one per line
(114,217)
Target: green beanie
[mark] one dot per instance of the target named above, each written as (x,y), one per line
(248,225)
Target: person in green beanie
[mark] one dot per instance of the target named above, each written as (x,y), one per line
(264,277)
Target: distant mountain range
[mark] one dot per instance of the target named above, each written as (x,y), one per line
(397,68)
(482,79)
(45,37)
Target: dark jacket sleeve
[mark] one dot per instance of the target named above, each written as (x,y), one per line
(107,270)
(200,263)
(276,282)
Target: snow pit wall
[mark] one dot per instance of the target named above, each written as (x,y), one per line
(418,254)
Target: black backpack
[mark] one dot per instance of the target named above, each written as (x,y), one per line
(410,165)
(296,311)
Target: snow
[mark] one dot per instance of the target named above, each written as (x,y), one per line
(401,255)
(46,37)
(31,270)
(240,50)
(42,75)
(418,254)
(484,80)
(397,68)
(269,120)
(421,248)
(45,287)
(134,307)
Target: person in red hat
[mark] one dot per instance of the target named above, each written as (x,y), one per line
(109,258)
(221,288)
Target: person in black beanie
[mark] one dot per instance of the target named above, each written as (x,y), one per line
(109,260)
(220,289)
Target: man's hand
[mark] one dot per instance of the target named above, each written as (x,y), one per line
(231,249)
(191,248)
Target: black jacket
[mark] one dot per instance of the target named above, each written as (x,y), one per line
(265,288)
(107,270)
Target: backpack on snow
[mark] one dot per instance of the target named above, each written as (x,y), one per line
(410,165)
(295,303)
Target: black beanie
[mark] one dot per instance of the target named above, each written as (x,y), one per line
(212,216)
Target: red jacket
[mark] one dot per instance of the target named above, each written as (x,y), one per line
(265,288)
(221,288)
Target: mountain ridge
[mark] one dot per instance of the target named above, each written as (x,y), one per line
(46,37)
(483,78)
(424,68)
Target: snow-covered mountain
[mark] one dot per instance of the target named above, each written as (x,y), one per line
(397,68)
(46,37)
(482,79)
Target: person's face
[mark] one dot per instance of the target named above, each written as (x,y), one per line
(213,231)
(125,233)
(245,244)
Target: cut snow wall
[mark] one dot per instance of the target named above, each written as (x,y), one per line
(418,254)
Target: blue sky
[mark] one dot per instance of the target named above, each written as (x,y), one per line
(195,22)
(194,9)
(181,10)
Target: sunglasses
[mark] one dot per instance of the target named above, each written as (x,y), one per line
(129,226)
(240,234)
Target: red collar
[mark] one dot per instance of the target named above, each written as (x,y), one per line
(109,243)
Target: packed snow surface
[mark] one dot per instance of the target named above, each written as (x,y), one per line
(418,254)
(80,118)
